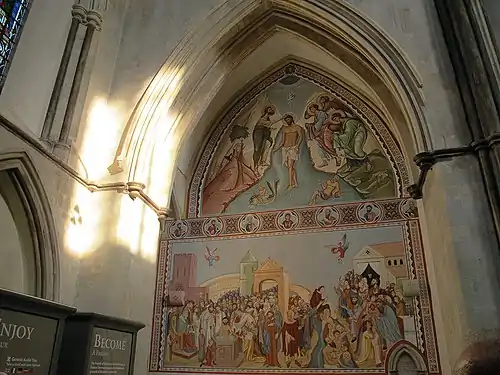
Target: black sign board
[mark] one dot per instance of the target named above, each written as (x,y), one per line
(110,352)
(98,345)
(30,334)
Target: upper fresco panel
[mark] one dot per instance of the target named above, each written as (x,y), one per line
(296,139)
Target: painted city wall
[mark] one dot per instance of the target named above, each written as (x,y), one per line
(299,243)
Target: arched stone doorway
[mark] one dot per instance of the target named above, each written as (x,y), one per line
(405,359)
(15,267)
(271,270)
(32,243)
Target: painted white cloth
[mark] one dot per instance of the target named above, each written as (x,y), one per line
(289,153)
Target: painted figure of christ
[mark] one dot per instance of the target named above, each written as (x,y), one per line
(292,136)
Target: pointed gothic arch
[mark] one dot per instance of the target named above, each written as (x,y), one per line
(23,191)
(396,354)
(224,41)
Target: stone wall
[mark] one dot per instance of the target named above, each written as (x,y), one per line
(492,10)
(31,77)
(107,278)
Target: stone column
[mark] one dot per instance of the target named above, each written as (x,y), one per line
(476,67)
(93,21)
(476,63)
(78,14)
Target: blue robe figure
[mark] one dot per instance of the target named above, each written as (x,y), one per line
(317,316)
(387,324)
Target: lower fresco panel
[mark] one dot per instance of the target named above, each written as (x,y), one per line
(297,301)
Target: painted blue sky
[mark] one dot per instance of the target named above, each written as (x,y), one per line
(303,256)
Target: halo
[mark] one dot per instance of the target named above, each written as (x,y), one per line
(308,109)
(323,95)
(292,115)
(264,110)
(337,112)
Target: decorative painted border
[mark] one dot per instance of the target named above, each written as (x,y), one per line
(348,215)
(379,130)
(392,213)
(425,308)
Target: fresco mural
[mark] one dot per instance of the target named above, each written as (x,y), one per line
(306,289)
(294,144)
(298,242)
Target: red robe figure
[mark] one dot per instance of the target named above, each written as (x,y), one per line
(271,335)
(340,249)
(291,338)
(209,359)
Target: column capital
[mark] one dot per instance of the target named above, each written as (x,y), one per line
(79,13)
(90,12)
(94,19)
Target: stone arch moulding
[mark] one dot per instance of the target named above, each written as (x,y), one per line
(389,145)
(28,190)
(334,24)
(400,349)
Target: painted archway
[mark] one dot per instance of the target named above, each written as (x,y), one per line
(312,243)
(343,140)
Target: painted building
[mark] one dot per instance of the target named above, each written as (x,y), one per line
(248,265)
(184,278)
(387,260)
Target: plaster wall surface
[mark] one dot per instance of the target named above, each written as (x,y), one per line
(27,90)
(109,279)
(467,315)
(12,269)
(152,29)
(25,96)
(414,26)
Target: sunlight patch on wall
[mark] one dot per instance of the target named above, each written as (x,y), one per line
(129,223)
(161,167)
(100,138)
(138,228)
(149,238)
(87,209)
(84,222)
(155,149)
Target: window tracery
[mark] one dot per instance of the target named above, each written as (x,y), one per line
(13,14)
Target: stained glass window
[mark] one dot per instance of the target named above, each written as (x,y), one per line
(13,14)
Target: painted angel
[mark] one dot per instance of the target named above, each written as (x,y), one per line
(211,256)
(340,249)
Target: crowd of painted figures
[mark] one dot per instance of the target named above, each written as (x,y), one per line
(354,332)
